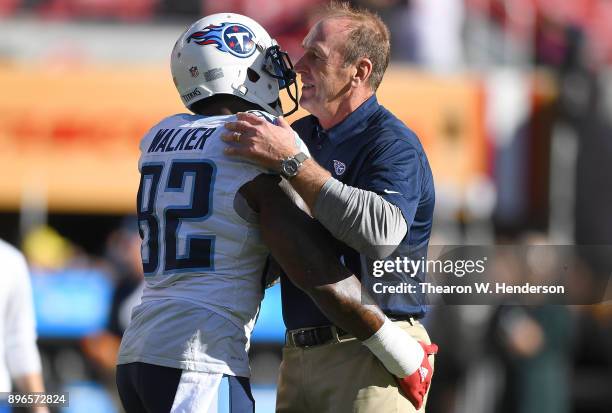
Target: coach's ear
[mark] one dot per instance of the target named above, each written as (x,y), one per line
(362,72)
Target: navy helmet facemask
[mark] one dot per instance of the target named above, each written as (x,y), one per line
(278,65)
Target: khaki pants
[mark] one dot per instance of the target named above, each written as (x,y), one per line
(341,377)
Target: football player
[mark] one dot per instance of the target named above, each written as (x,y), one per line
(208,223)
(19,357)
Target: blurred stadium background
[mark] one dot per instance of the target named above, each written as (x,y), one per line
(512,100)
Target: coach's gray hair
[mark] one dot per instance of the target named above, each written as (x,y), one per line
(368,37)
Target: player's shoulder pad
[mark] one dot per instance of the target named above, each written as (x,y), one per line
(176,119)
(10,255)
(270,118)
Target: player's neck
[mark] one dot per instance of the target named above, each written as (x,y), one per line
(218,111)
(224,107)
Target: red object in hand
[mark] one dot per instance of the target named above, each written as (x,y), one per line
(416,385)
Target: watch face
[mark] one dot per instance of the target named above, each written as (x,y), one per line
(290,167)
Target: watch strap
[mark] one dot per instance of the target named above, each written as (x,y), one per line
(301,157)
(298,159)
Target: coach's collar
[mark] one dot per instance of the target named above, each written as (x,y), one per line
(353,124)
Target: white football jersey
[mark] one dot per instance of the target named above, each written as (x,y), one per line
(18,352)
(199,255)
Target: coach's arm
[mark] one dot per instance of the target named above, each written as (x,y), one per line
(306,252)
(360,218)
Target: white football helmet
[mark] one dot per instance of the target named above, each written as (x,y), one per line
(227,53)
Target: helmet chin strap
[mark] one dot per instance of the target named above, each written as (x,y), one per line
(294,98)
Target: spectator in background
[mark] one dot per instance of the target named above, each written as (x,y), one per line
(123,251)
(47,251)
(19,357)
(535,346)
(123,257)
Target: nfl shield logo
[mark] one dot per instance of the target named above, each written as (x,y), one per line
(339,167)
(194,71)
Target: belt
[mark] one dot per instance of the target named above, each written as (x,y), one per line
(411,319)
(317,336)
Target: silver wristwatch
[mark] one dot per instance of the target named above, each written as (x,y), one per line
(291,165)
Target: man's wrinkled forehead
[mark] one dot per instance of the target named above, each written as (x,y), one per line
(327,31)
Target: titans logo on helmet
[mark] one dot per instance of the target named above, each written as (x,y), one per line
(233,38)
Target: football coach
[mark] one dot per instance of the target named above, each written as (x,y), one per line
(370,185)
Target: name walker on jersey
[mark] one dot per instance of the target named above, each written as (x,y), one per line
(180,139)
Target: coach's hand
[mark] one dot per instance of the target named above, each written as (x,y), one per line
(416,385)
(258,140)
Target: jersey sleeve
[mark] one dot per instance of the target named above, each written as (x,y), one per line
(20,326)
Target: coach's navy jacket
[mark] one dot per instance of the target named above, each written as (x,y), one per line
(373,150)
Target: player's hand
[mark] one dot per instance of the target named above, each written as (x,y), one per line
(258,140)
(416,385)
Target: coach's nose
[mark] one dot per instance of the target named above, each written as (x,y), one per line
(300,67)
